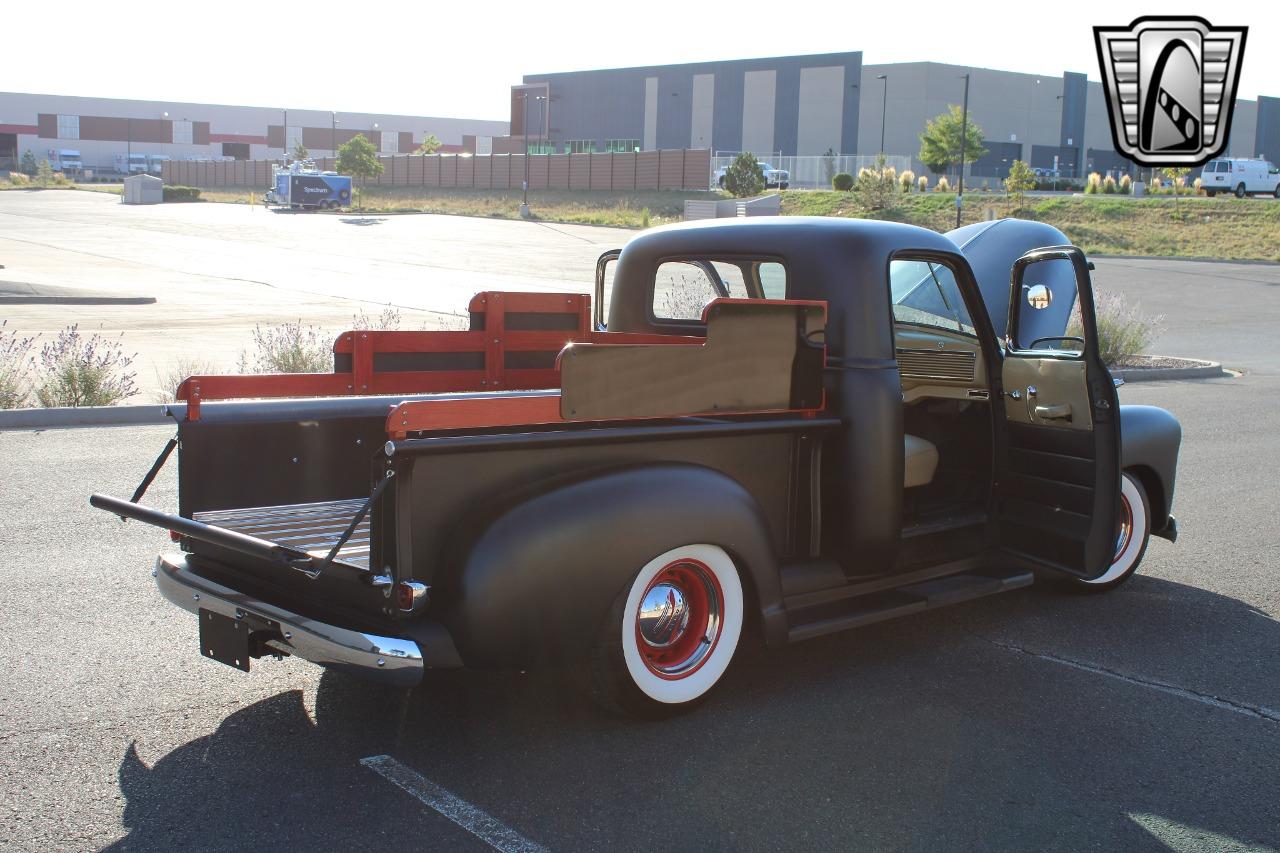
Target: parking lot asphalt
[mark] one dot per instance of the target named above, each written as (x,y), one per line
(1145,719)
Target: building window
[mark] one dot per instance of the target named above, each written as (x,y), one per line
(622,146)
(68,127)
(581,146)
(542,148)
(182,133)
(390,142)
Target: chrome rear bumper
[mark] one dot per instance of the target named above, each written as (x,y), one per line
(390,660)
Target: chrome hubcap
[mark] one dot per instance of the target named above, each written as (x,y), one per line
(664,615)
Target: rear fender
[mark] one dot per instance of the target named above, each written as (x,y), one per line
(539,579)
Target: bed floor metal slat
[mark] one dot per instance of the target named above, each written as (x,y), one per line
(312,527)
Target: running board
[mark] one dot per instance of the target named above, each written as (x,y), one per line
(904,600)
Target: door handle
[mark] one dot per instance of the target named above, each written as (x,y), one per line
(1055,412)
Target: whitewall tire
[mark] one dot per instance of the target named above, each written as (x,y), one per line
(1131,543)
(671,633)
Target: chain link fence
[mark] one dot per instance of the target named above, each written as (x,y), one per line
(811,172)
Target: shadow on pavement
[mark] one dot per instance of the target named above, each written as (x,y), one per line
(916,735)
(363,220)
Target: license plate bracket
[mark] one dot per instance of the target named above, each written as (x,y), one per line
(224,639)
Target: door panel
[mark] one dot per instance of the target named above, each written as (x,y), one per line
(1058,492)
(1051,392)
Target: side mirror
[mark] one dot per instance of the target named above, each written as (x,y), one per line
(1039,297)
(604,288)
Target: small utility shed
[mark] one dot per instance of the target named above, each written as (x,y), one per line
(143,189)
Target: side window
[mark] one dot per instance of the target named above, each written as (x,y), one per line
(925,293)
(773,280)
(681,290)
(1047,316)
(731,275)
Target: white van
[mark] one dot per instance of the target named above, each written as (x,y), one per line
(1239,176)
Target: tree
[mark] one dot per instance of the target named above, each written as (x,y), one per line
(828,166)
(358,158)
(430,145)
(300,151)
(28,165)
(1177,177)
(1020,179)
(744,177)
(44,173)
(940,142)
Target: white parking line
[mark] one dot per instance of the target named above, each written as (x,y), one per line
(479,823)
(1258,712)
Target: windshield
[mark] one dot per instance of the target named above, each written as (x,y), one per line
(926,294)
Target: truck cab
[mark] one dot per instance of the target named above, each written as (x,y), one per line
(803,424)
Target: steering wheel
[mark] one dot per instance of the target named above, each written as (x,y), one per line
(1072,338)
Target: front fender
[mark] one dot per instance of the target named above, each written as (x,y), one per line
(537,581)
(1149,442)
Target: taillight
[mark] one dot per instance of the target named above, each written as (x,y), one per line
(411,595)
(175,536)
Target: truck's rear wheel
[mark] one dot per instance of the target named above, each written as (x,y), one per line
(670,634)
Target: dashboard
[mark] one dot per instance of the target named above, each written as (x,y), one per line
(935,363)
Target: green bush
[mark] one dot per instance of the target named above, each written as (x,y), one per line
(1123,330)
(14,367)
(288,348)
(73,370)
(842,181)
(744,176)
(180,193)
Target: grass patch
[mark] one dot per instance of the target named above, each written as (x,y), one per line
(1193,226)
(597,207)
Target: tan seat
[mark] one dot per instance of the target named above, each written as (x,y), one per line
(921,462)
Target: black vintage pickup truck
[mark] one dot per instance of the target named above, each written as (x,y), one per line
(805,425)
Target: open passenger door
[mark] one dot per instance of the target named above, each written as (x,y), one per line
(1058,489)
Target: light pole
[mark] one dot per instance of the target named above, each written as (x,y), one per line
(884,107)
(524,124)
(964,140)
(542,124)
(333,133)
(284,139)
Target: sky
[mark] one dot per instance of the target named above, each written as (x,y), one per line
(459,60)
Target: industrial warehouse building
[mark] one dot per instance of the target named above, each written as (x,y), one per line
(103,132)
(807,105)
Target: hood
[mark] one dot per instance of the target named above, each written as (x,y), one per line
(991,249)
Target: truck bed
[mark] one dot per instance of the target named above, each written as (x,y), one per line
(311,527)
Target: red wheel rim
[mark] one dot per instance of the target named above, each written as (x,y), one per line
(1126,528)
(703,597)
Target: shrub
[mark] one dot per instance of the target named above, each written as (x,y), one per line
(646,218)
(1126,185)
(44,174)
(924,183)
(288,348)
(15,365)
(27,165)
(744,178)
(73,370)
(1093,185)
(1156,184)
(180,193)
(943,185)
(18,179)
(167,381)
(842,181)
(1198,184)
(388,320)
(877,188)
(1123,330)
(907,179)
(1109,185)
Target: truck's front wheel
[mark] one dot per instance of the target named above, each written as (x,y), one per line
(670,633)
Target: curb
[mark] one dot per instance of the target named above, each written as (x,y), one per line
(55,418)
(1259,262)
(1201,370)
(77,300)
